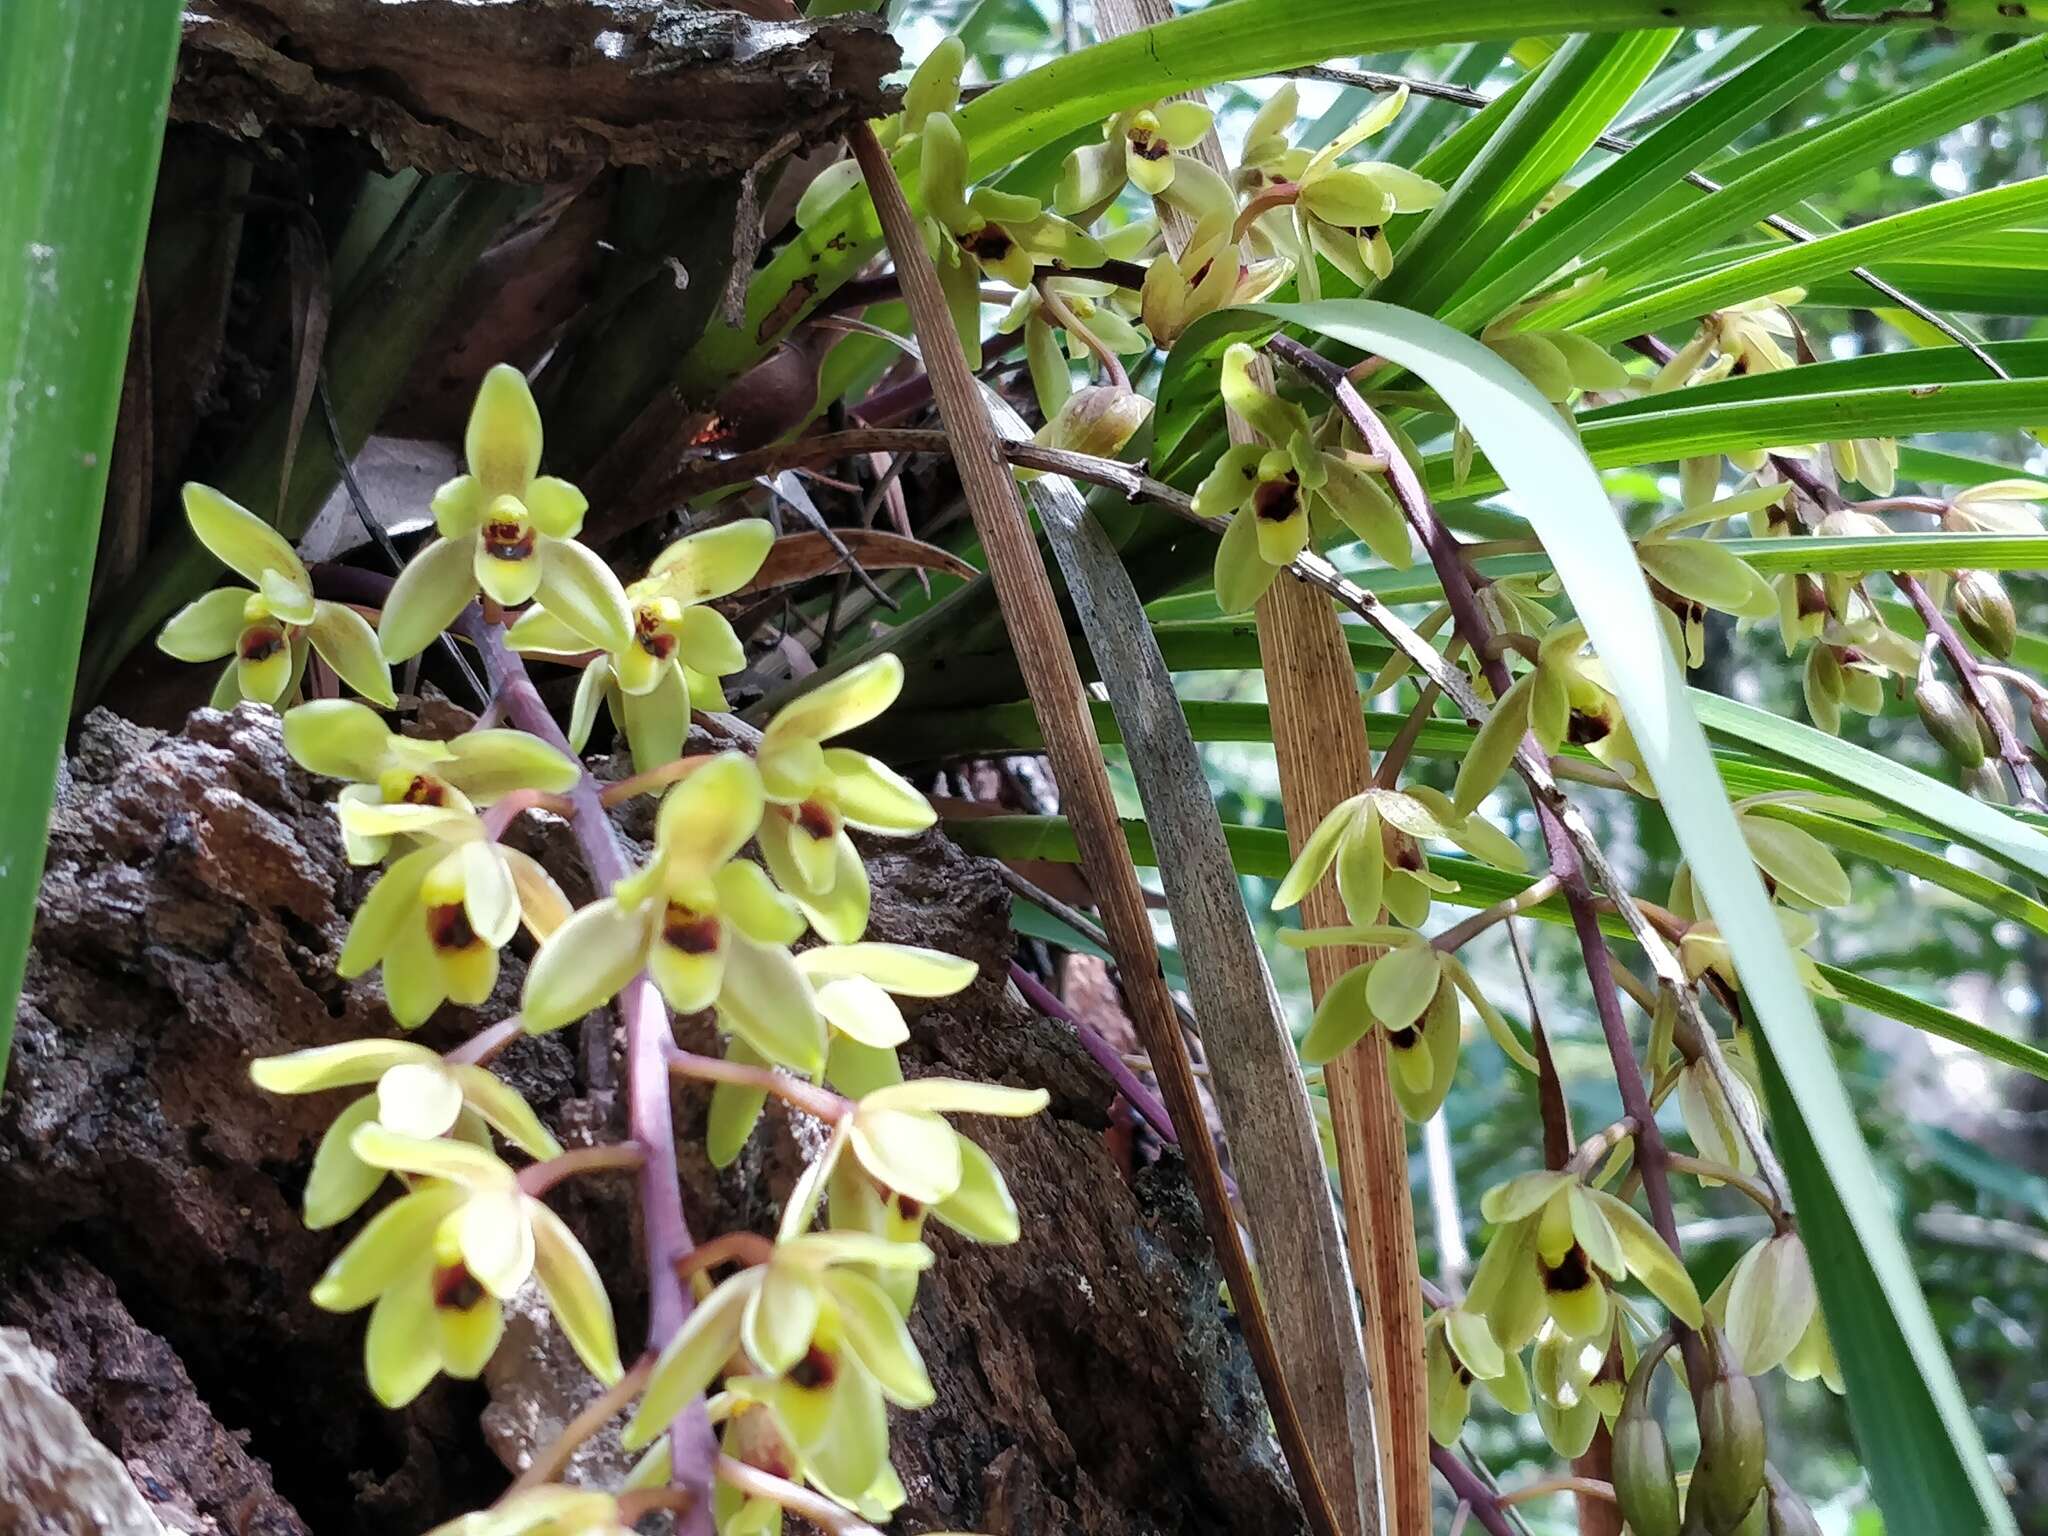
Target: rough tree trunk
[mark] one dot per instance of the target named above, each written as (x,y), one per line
(194,904)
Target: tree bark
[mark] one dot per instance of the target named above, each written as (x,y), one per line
(195,901)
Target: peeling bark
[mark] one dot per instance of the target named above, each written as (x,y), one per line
(1089,1380)
(532,90)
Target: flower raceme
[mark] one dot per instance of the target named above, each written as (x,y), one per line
(819,1345)
(679,647)
(269,629)
(508,530)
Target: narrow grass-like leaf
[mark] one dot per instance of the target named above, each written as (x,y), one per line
(1532,256)
(1859,140)
(1573,100)
(1684,428)
(82,98)
(1799,264)
(1845,765)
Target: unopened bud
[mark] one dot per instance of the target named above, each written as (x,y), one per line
(1789,1515)
(1985,610)
(1990,689)
(1987,783)
(1645,1483)
(1950,721)
(1097,421)
(1758,1521)
(1729,1474)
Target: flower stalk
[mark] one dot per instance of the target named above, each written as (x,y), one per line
(693,1449)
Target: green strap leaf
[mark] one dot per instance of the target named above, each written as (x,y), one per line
(1573,100)
(1796,265)
(1618,191)
(81,124)
(1986,828)
(1684,427)
(1858,140)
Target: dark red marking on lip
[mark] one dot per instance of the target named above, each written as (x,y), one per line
(691,932)
(816,1369)
(456,1289)
(449,928)
(1278,500)
(1571,1273)
(508,541)
(425,789)
(653,639)
(259,644)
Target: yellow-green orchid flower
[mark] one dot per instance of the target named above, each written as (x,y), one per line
(439,1264)
(1315,206)
(1372,841)
(268,630)
(1558,1247)
(851,988)
(679,647)
(509,530)
(707,927)
(438,917)
(1275,490)
(1770,1311)
(1141,146)
(345,740)
(551,1509)
(418,1094)
(825,1347)
(1459,1349)
(1006,235)
(816,792)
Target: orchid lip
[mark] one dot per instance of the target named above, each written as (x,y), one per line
(456,1289)
(691,932)
(260,643)
(508,541)
(449,928)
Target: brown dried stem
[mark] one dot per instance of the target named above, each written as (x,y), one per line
(1566,866)
(1024,592)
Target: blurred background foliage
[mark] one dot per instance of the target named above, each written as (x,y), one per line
(1963,1142)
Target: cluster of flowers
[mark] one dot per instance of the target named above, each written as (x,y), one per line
(808,1344)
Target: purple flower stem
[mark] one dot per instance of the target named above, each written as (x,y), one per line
(1106,1056)
(692,1446)
(1476,1496)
